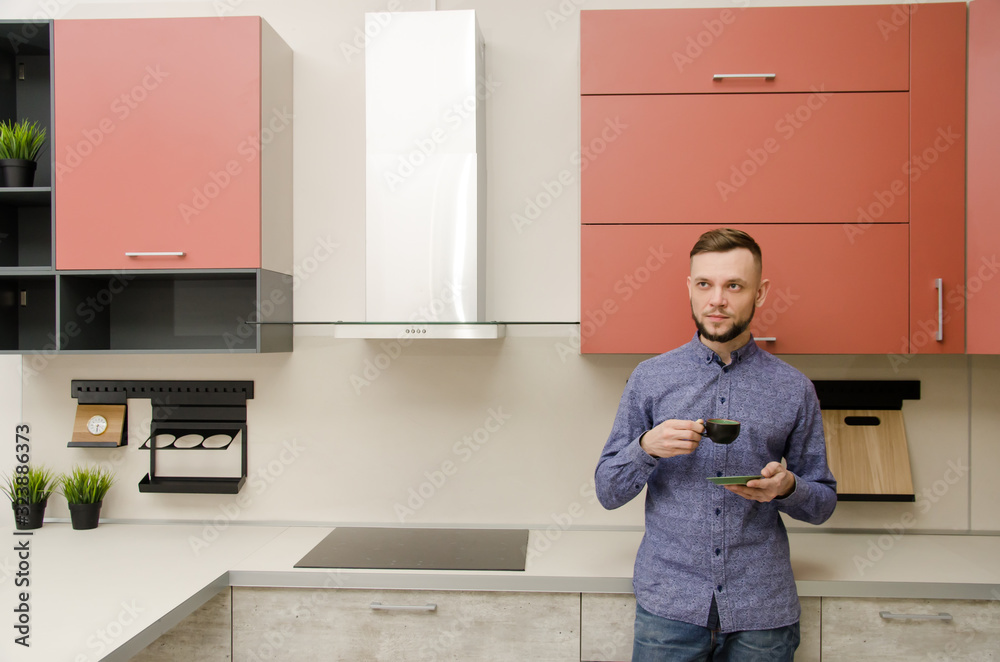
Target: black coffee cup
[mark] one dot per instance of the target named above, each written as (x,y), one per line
(722,430)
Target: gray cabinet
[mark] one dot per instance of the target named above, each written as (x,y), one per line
(860,629)
(204,636)
(307,625)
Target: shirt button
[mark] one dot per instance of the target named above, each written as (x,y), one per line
(718,511)
(717,551)
(719,588)
(722,399)
(718,473)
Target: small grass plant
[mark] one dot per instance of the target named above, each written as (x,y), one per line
(21,140)
(86,484)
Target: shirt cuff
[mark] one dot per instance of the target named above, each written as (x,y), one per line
(636,454)
(795,497)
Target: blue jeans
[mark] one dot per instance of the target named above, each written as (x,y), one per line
(663,640)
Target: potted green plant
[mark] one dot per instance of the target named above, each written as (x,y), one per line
(28,493)
(20,144)
(84,489)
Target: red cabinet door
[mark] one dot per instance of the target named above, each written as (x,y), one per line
(937,176)
(156,142)
(981,292)
(750,158)
(832,292)
(850,48)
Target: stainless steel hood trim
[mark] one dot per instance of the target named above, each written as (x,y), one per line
(420,331)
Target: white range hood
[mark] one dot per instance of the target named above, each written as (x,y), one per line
(426,177)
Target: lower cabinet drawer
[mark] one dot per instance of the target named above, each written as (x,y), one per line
(397,626)
(606,628)
(855,630)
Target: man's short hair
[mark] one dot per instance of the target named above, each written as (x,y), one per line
(722,240)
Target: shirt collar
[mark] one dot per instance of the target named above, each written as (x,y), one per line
(704,354)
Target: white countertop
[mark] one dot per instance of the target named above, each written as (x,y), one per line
(105,594)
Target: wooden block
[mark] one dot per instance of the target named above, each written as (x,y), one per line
(112,435)
(868,459)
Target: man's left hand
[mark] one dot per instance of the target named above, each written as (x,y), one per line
(777,482)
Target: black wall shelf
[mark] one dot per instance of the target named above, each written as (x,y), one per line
(193,406)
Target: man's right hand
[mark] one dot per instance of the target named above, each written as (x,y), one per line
(673,437)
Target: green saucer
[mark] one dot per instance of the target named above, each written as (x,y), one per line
(732,480)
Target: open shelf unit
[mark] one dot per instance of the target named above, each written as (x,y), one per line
(26,94)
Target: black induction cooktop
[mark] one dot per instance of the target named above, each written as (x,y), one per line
(419,549)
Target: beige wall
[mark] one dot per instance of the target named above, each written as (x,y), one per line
(323,450)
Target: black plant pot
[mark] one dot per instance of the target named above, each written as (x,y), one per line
(28,515)
(85,515)
(17,172)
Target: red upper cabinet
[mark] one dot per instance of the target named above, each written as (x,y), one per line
(935,172)
(635,300)
(747,158)
(157,143)
(981,295)
(856,48)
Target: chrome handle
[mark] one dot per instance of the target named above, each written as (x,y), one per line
(771,339)
(156,254)
(939,285)
(725,76)
(942,616)
(378,606)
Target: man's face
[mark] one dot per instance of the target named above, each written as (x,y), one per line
(725,289)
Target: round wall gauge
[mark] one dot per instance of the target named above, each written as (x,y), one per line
(97,425)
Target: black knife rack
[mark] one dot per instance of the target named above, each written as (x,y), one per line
(181,406)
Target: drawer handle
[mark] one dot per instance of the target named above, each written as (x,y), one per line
(771,339)
(378,606)
(725,76)
(942,616)
(939,286)
(156,254)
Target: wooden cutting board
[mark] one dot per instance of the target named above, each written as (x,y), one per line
(867,452)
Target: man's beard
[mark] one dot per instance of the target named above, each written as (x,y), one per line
(739,326)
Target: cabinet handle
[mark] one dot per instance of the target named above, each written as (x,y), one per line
(939,285)
(942,616)
(378,606)
(770,339)
(725,76)
(156,254)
